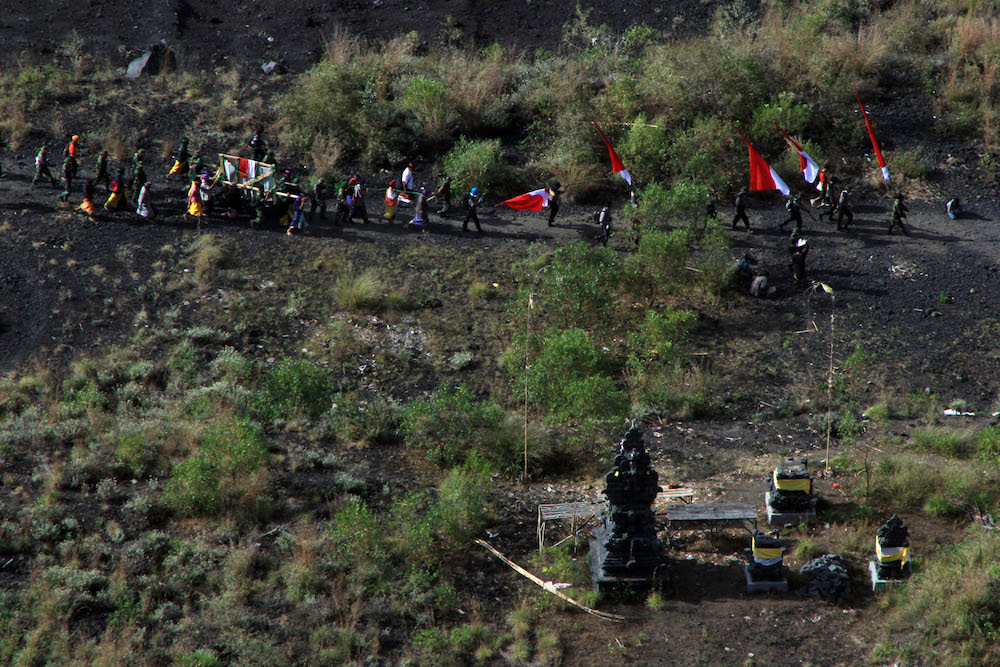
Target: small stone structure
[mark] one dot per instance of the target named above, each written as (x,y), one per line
(892,555)
(789,497)
(765,569)
(626,551)
(827,577)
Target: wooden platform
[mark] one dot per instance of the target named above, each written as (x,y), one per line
(714,515)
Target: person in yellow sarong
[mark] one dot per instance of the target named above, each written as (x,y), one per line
(195,204)
(117,199)
(180,160)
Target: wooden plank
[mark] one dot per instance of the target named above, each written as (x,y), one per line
(713,512)
(568,510)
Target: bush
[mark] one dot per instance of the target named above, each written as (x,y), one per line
(944,441)
(359,292)
(477,163)
(224,473)
(577,287)
(570,376)
(293,388)
(449,423)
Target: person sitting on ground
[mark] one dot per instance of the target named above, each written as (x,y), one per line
(419,220)
(471,202)
(603,220)
(144,209)
(42,168)
(117,199)
(954,208)
(180,167)
(87,206)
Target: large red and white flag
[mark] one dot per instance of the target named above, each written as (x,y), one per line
(535,200)
(762,177)
(617,166)
(808,166)
(871,135)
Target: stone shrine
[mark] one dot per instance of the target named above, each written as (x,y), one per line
(789,497)
(626,551)
(765,569)
(892,554)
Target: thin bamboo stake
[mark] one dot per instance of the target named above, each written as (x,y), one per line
(548,585)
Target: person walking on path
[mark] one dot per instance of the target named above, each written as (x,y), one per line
(144,209)
(317,199)
(471,203)
(134,180)
(181,157)
(343,215)
(257,144)
(555,190)
(443,195)
(603,219)
(898,214)
(358,208)
(117,199)
(391,202)
(419,220)
(844,210)
(73,150)
(407,180)
(68,172)
(794,214)
(87,206)
(195,206)
(102,172)
(798,252)
(741,209)
(298,221)
(42,168)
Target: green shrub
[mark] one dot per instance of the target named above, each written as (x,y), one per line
(293,388)
(449,423)
(944,441)
(461,510)
(576,289)
(570,376)
(359,292)
(477,163)
(223,473)
(657,268)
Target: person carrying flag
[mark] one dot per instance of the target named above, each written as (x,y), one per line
(555,190)
(471,202)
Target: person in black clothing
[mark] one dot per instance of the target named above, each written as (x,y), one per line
(603,219)
(471,202)
(257,144)
(343,210)
(358,208)
(710,211)
(798,252)
(844,210)
(741,209)
(555,190)
(317,199)
(443,195)
(102,172)
(794,214)
(138,178)
(898,214)
(68,172)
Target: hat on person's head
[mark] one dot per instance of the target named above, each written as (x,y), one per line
(76,137)
(353,181)
(411,165)
(474,191)
(423,191)
(184,140)
(392,183)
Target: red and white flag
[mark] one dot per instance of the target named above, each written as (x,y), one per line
(808,166)
(762,177)
(617,167)
(871,135)
(535,200)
